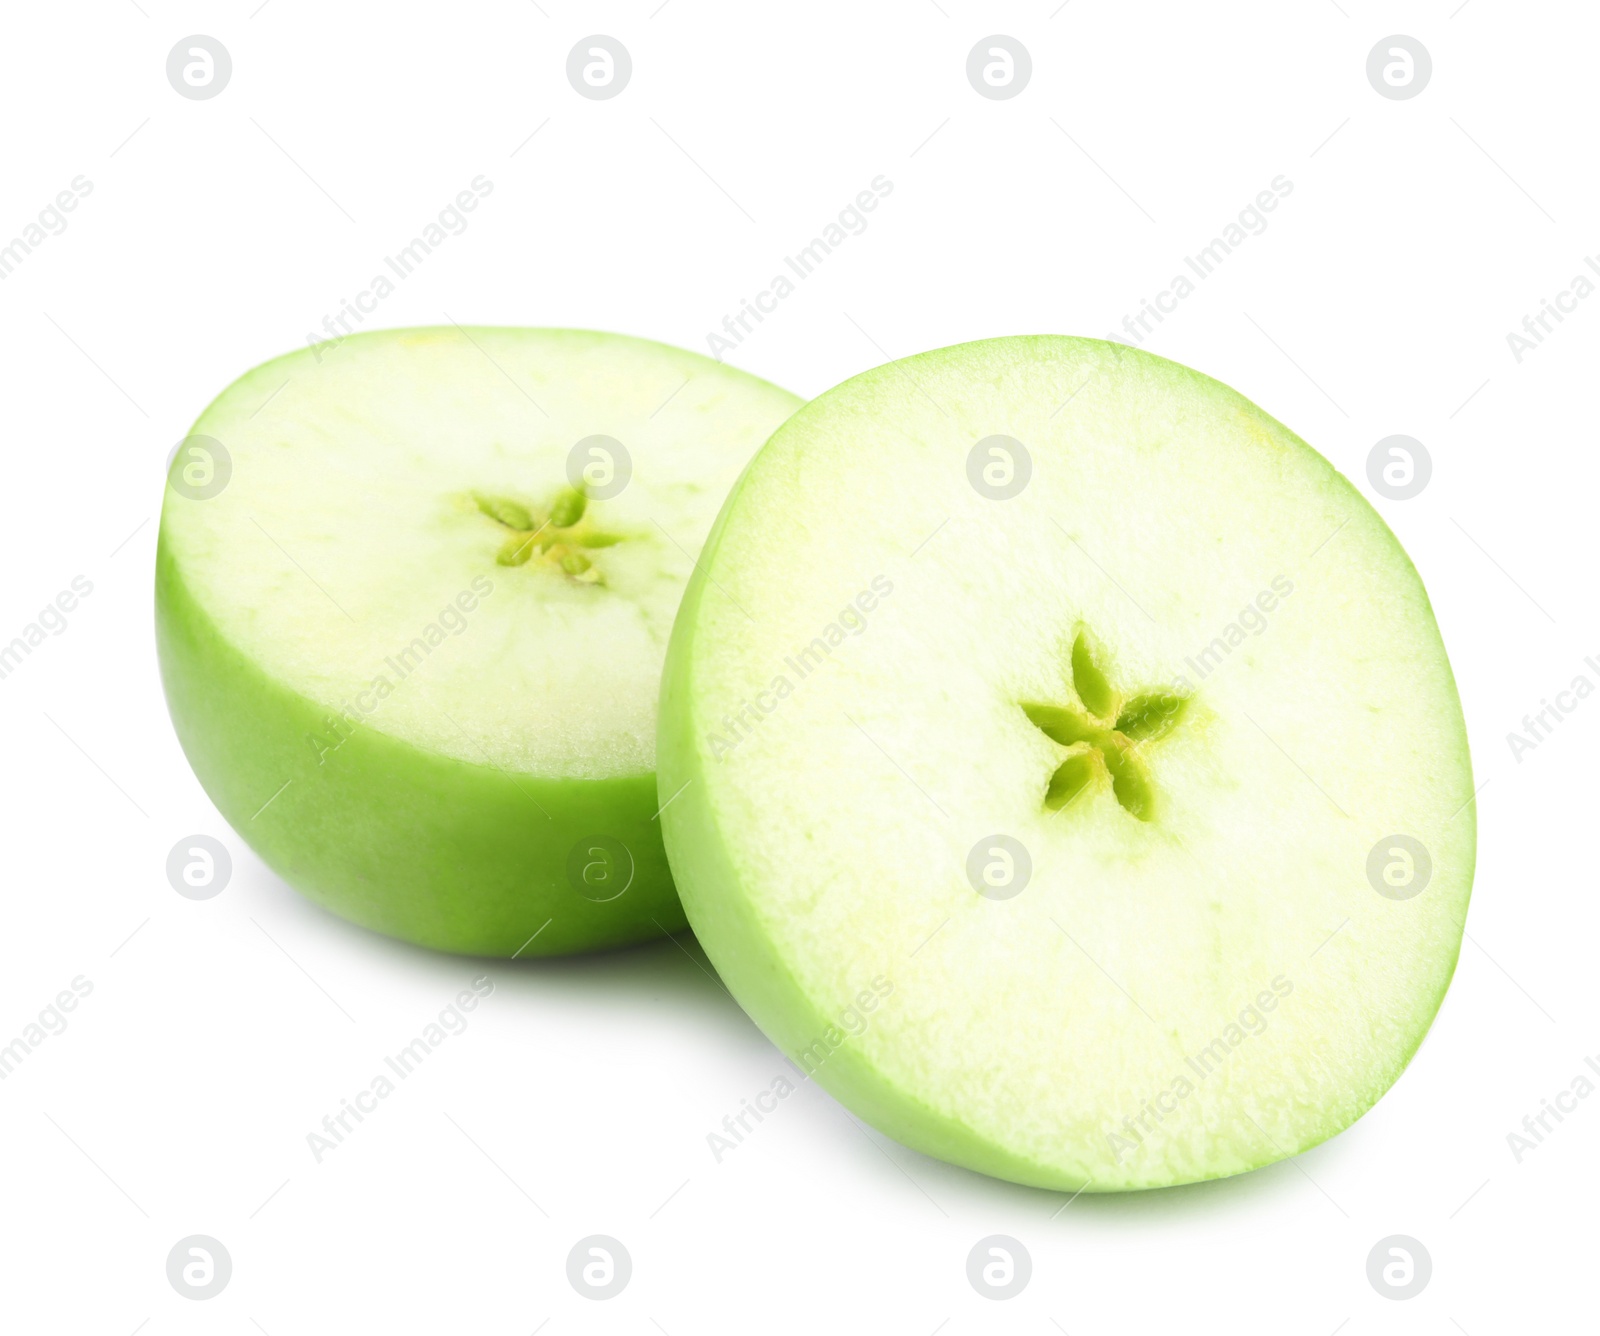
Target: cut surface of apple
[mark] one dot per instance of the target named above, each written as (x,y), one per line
(413,594)
(1071,776)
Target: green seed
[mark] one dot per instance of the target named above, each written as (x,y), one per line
(1152,716)
(1063,724)
(1089,682)
(597,539)
(568,508)
(1072,776)
(506,511)
(575,563)
(516,550)
(1129,781)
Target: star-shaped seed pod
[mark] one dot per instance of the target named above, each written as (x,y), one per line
(1105,736)
(556,538)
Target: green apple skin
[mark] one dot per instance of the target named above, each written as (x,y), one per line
(459,857)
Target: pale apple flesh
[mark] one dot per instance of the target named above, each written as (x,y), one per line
(1185,669)
(415,666)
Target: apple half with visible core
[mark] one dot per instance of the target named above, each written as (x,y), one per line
(413,592)
(1072,777)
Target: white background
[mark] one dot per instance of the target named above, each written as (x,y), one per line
(219,1033)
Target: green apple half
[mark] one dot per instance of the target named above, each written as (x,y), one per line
(1071,775)
(413,592)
